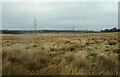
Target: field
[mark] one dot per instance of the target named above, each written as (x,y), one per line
(60,54)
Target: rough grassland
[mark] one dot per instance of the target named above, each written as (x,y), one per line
(60,54)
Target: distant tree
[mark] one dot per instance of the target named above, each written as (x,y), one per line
(114,29)
(111,30)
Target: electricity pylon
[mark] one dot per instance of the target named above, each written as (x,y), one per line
(35,24)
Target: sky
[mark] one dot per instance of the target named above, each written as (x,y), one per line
(59,15)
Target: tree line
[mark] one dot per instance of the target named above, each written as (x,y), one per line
(56,31)
(111,30)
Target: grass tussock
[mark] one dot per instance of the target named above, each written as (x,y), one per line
(60,54)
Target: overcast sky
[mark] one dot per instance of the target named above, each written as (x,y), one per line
(60,15)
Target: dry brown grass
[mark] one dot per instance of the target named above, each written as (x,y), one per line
(60,54)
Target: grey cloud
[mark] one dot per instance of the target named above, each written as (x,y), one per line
(60,15)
